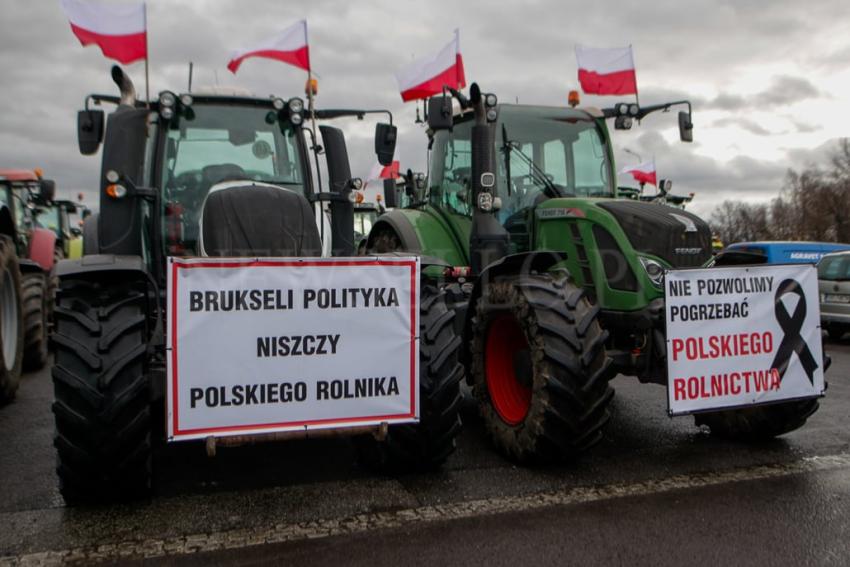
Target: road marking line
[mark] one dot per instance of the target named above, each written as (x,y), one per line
(281,533)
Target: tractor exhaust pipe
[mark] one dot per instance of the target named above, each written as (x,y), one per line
(488,240)
(128,91)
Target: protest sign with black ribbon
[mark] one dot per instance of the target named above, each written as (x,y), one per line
(741,336)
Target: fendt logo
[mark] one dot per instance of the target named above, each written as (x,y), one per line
(690,226)
(688,251)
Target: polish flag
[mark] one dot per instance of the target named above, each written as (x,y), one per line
(606,71)
(381,172)
(289,46)
(119,30)
(427,76)
(642,172)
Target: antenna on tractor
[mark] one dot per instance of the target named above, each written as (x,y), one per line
(190,77)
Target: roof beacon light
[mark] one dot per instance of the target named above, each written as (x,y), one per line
(573,99)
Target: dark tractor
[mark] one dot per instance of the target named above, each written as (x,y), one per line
(160,162)
(557,281)
(34,247)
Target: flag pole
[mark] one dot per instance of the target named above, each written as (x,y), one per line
(147,57)
(310,107)
(634,70)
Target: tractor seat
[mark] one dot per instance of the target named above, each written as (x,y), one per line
(257,219)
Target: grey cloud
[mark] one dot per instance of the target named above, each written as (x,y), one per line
(745,124)
(516,50)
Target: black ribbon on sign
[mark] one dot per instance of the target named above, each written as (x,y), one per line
(791,325)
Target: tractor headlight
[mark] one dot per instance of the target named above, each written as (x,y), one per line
(296,105)
(654,270)
(278,104)
(186,100)
(167,112)
(167,99)
(490,100)
(296,119)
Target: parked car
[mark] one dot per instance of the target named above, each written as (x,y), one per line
(834,287)
(787,252)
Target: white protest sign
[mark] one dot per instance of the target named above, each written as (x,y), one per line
(738,336)
(283,344)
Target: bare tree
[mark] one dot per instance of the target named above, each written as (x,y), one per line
(814,205)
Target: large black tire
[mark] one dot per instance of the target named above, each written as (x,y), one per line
(11,321)
(102,393)
(758,423)
(35,301)
(836,332)
(426,445)
(539,368)
(53,287)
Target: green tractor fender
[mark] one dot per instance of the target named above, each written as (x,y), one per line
(417,230)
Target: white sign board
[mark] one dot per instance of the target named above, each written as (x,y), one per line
(738,336)
(283,344)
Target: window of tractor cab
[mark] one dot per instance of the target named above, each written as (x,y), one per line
(547,151)
(451,168)
(215,144)
(48,217)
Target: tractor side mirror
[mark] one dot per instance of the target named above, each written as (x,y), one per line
(46,190)
(686,127)
(89,130)
(385,139)
(440,113)
(390,193)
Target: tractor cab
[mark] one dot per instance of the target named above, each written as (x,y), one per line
(173,171)
(541,153)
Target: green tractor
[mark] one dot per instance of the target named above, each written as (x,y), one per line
(207,174)
(556,280)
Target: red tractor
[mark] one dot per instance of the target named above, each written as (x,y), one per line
(26,266)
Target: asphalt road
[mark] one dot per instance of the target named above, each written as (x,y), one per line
(656,491)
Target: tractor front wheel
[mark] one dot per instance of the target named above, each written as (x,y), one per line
(11,321)
(758,423)
(101,391)
(539,369)
(426,445)
(35,301)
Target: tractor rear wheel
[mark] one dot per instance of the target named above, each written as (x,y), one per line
(11,321)
(35,303)
(758,423)
(539,368)
(426,445)
(102,394)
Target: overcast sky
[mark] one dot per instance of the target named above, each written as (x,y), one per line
(768,79)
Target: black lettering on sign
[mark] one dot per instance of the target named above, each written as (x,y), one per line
(297,345)
(247,394)
(356,388)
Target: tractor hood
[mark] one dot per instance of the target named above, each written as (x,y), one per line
(679,237)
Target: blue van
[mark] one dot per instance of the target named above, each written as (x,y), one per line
(786,252)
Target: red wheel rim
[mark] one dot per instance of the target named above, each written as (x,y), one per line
(511,398)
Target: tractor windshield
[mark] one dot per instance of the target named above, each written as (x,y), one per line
(216,143)
(48,217)
(541,152)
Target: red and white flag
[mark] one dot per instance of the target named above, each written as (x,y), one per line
(608,71)
(642,172)
(427,76)
(380,172)
(119,30)
(289,46)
